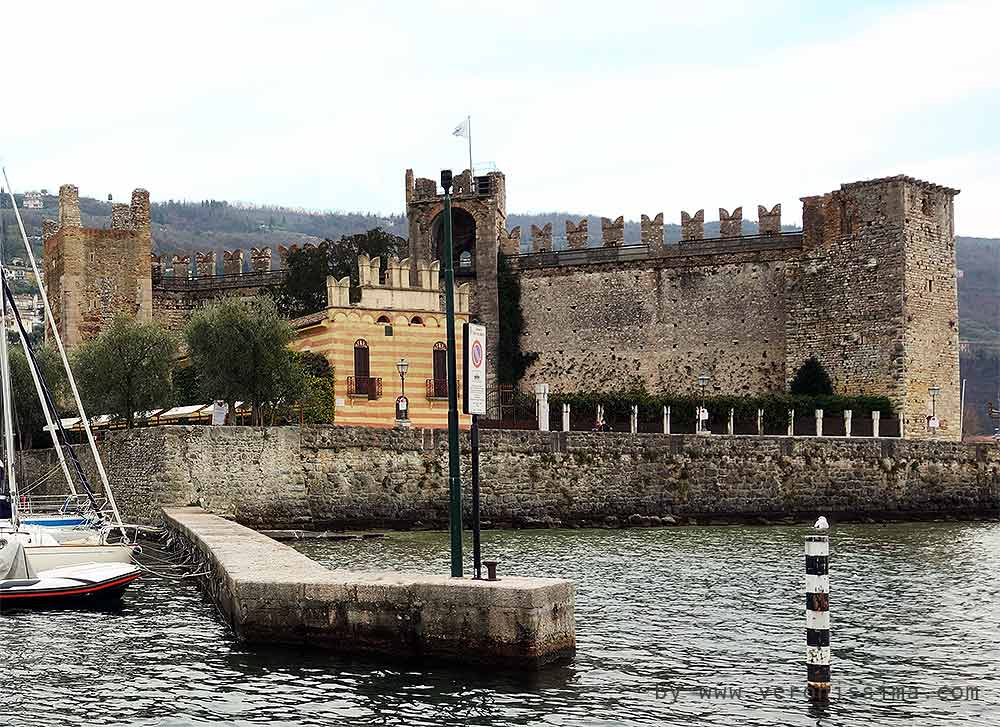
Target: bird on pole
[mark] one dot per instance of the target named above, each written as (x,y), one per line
(821,524)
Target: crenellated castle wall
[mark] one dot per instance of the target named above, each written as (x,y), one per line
(868,287)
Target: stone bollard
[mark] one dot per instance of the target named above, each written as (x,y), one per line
(666,420)
(760,422)
(565,417)
(818,616)
(542,406)
(633,423)
(876,416)
(731,425)
(791,422)
(847,422)
(819,422)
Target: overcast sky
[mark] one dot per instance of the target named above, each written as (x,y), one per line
(606,108)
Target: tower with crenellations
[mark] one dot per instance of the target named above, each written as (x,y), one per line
(94,274)
(479,218)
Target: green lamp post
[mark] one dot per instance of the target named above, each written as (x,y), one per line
(454,476)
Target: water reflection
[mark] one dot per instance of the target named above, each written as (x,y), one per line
(675,626)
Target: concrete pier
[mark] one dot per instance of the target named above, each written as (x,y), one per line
(271,593)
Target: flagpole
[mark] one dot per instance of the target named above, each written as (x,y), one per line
(468,123)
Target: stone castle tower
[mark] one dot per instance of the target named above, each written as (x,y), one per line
(92,275)
(874,296)
(479,217)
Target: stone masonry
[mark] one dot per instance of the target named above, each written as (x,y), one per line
(91,275)
(331,476)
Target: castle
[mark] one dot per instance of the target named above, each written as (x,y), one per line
(868,286)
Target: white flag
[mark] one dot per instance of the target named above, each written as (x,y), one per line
(462,130)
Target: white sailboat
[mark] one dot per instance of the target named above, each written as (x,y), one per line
(41,558)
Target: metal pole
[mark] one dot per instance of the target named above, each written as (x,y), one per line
(454,476)
(468,124)
(818,616)
(477,565)
(8,406)
(49,422)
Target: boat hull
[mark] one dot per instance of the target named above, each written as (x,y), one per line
(102,585)
(49,557)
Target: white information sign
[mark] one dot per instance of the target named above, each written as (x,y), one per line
(475,366)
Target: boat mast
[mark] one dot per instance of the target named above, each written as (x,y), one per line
(36,377)
(7,411)
(50,319)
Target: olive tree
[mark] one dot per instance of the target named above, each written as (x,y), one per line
(239,347)
(27,408)
(126,369)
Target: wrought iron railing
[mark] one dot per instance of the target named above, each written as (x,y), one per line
(369,386)
(437,388)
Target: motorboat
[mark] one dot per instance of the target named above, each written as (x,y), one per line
(33,576)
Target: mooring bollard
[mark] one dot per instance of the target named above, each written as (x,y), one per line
(818,616)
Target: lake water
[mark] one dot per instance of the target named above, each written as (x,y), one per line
(681,626)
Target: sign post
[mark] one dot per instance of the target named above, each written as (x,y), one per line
(474,401)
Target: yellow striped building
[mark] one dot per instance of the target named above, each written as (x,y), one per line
(364,340)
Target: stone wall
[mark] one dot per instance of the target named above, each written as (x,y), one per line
(874,296)
(94,274)
(664,321)
(174,301)
(328,476)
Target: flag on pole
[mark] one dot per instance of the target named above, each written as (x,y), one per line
(462,130)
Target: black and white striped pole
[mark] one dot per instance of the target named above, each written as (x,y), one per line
(818,614)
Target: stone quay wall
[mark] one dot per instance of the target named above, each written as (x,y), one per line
(270,593)
(340,477)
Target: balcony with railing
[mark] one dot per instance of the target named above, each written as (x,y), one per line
(364,387)
(436,388)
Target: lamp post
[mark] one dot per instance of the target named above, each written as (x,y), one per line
(402,403)
(932,422)
(702,384)
(454,480)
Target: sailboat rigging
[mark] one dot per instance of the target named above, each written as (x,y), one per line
(34,565)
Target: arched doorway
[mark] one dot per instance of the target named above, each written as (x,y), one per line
(463,236)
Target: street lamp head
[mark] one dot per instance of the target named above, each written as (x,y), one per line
(401,366)
(934,390)
(446,180)
(703,380)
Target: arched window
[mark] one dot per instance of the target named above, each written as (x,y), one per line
(362,372)
(383,320)
(463,240)
(440,361)
(416,321)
